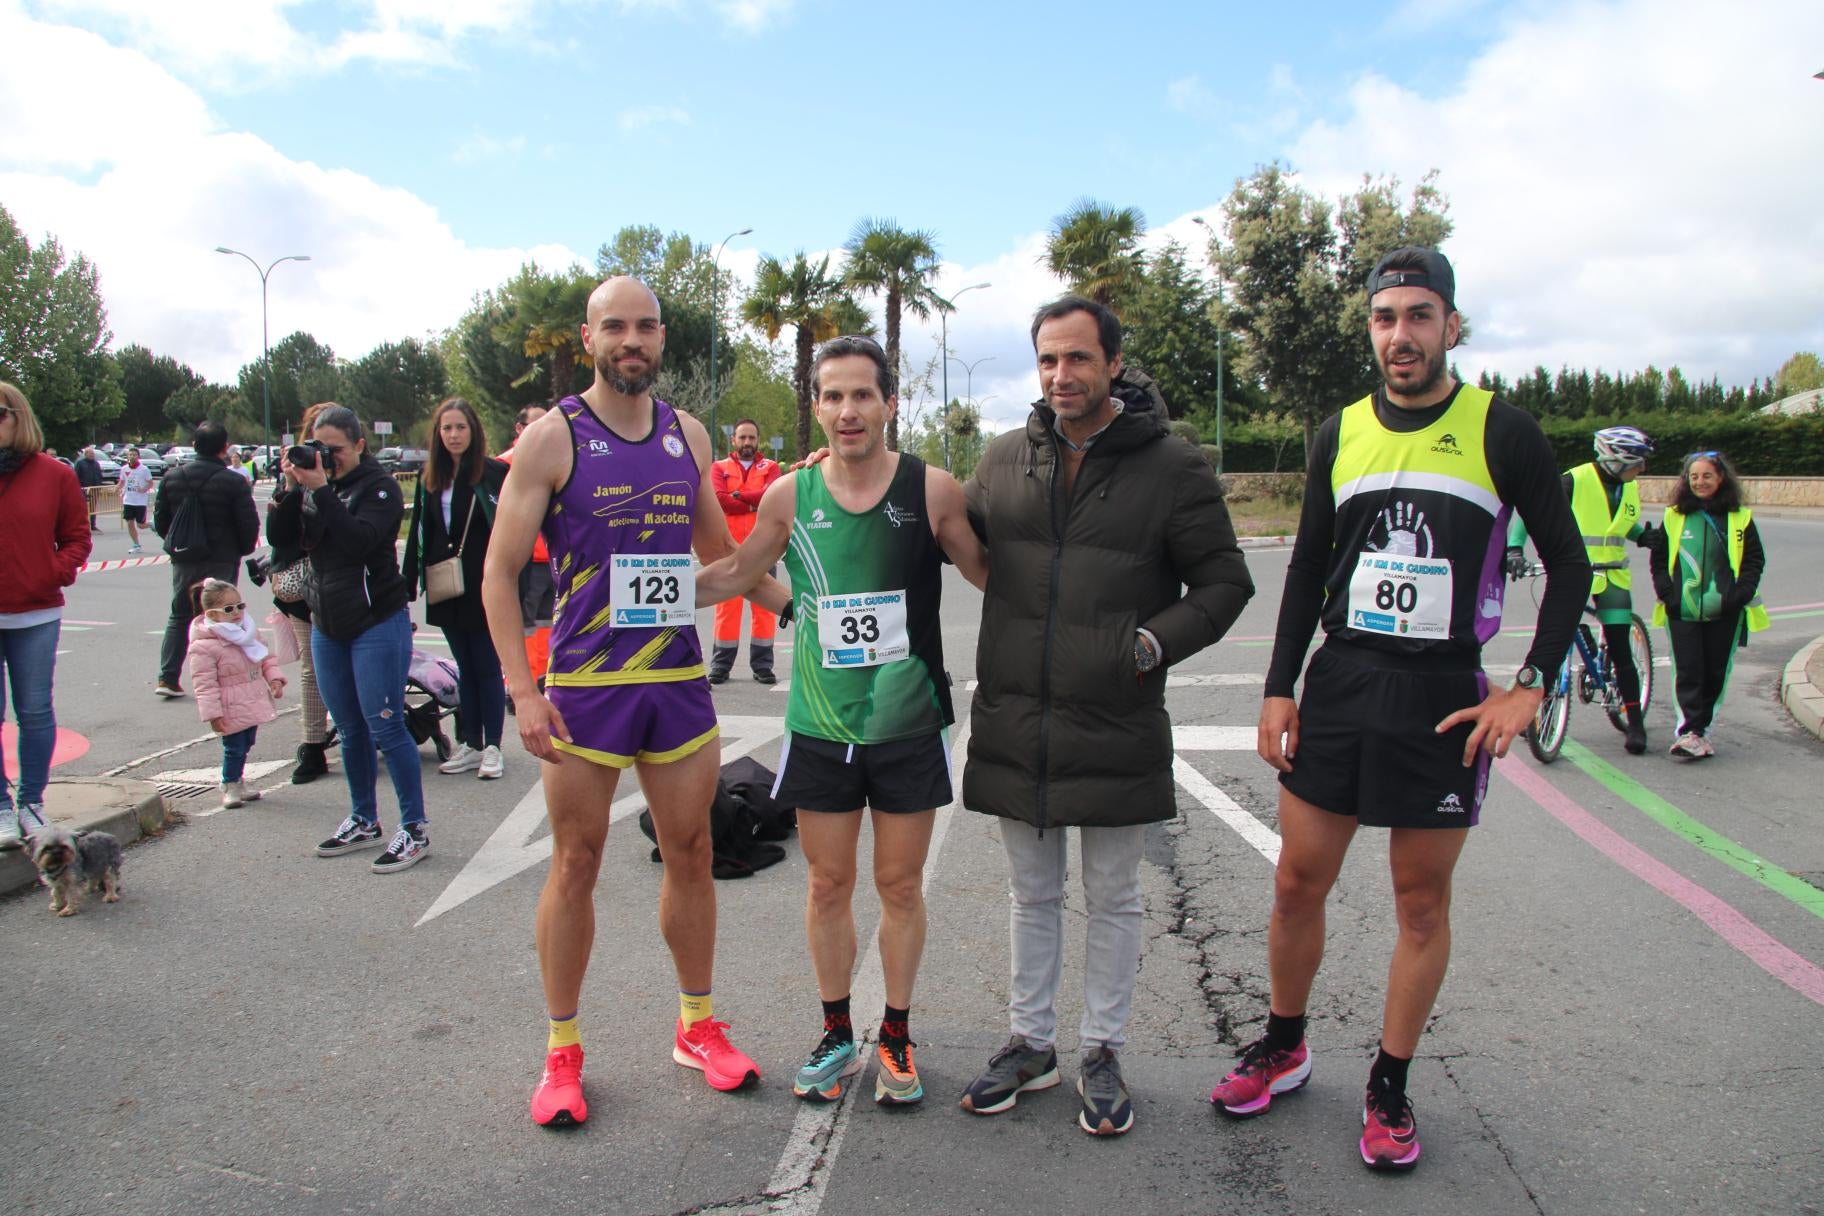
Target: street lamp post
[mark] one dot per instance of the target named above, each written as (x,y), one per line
(969,374)
(265,342)
(944,308)
(1222,323)
(715,323)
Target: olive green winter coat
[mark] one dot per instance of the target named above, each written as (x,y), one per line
(1064,730)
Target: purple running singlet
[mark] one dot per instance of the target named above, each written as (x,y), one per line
(634,692)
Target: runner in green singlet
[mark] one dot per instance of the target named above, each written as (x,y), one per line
(864,535)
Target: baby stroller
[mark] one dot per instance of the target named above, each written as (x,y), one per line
(430,696)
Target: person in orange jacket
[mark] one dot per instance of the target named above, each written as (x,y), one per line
(740,480)
(537,596)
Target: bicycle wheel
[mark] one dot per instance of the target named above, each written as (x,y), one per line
(1640,645)
(1551,723)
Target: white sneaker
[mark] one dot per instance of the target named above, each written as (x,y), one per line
(1688,746)
(492,765)
(9,828)
(461,760)
(236,793)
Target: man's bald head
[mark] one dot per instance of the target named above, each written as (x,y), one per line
(621,294)
(624,335)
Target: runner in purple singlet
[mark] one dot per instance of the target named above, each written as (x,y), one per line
(613,479)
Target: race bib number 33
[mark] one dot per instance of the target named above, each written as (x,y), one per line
(653,590)
(1401,596)
(863,630)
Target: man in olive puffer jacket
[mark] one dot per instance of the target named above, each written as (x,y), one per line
(1111,556)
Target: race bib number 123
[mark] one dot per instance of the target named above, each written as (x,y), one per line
(653,590)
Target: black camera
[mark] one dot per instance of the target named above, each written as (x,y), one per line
(304,455)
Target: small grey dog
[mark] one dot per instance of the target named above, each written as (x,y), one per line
(70,862)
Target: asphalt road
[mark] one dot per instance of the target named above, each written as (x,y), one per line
(1634,1020)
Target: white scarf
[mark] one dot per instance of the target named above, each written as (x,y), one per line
(244,634)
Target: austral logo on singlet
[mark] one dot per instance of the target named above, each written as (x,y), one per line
(1447,445)
(899,516)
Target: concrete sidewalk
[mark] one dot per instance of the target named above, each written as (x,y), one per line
(1802,687)
(128,810)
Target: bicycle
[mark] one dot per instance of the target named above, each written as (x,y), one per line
(1594,678)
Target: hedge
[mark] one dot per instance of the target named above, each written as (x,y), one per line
(1758,445)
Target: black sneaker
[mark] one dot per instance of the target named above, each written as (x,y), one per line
(766,677)
(1107,1109)
(411,845)
(718,675)
(353,836)
(1015,1069)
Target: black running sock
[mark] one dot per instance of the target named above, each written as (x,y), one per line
(1389,1071)
(1284,1033)
(836,1019)
(896,1024)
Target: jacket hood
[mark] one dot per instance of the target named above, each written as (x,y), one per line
(1142,420)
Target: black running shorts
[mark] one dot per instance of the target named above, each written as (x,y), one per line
(1368,747)
(901,777)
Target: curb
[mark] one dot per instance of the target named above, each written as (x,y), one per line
(127,810)
(1263,542)
(1803,699)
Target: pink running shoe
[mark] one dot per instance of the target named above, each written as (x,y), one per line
(1390,1133)
(1260,1074)
(704,1046)
(558,1100)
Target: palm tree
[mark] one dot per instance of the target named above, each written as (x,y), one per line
(1096,249)
(545,315)
(805,296)
(885,258)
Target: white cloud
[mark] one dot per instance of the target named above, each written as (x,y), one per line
(752,16)
(640,118)
(482,146)
(1189,95)
(164,185)
(1632,183)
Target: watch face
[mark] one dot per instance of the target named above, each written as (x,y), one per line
(1527,677)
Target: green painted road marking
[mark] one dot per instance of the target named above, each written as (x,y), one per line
(1793,616)
(1708,839)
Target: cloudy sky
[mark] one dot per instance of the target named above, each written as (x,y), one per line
(1633,182)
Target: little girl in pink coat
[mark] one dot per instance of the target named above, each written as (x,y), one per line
(235,678)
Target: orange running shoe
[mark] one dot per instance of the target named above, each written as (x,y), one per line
(704,1046)
(558,1100)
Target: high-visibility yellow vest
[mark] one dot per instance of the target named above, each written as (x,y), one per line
(1737,529)
(1604,532)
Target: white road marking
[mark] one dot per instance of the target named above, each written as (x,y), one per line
(1214,738)
(1176,679)
(512,849)
(211,737)
(208,776)
(818,1130)
(1225,808)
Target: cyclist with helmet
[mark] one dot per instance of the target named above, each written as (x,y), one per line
(1606,502)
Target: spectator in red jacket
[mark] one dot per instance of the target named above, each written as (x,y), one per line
(740,480)
(44,543)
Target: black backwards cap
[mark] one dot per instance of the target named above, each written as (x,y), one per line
(1425,268)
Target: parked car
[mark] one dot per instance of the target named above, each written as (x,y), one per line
(155,464)
(110,468)
(179,455)
(411,460)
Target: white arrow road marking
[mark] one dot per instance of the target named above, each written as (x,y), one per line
(512,849)
(819,1128)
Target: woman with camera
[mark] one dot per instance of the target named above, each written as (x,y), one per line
(288,571)
(452,518)
(346,517)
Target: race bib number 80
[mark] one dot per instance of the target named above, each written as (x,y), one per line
(653,590)
(1401,596)
(863,630)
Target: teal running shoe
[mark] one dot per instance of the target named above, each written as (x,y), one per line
(820,1080)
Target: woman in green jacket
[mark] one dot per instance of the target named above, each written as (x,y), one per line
(1708,578)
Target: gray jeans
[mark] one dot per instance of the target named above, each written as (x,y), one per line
(1037,870)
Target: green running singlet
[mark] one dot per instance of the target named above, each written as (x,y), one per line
(868,662)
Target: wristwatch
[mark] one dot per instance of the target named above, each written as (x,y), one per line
(787,613)
(1528,677)
(1145,657)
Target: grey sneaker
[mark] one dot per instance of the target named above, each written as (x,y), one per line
(1015,1069)
(1107,1109)
(9,828)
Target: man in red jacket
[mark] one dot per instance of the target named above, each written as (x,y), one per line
(740,481)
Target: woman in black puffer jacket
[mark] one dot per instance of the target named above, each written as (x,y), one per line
(346,517)
(313,717)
